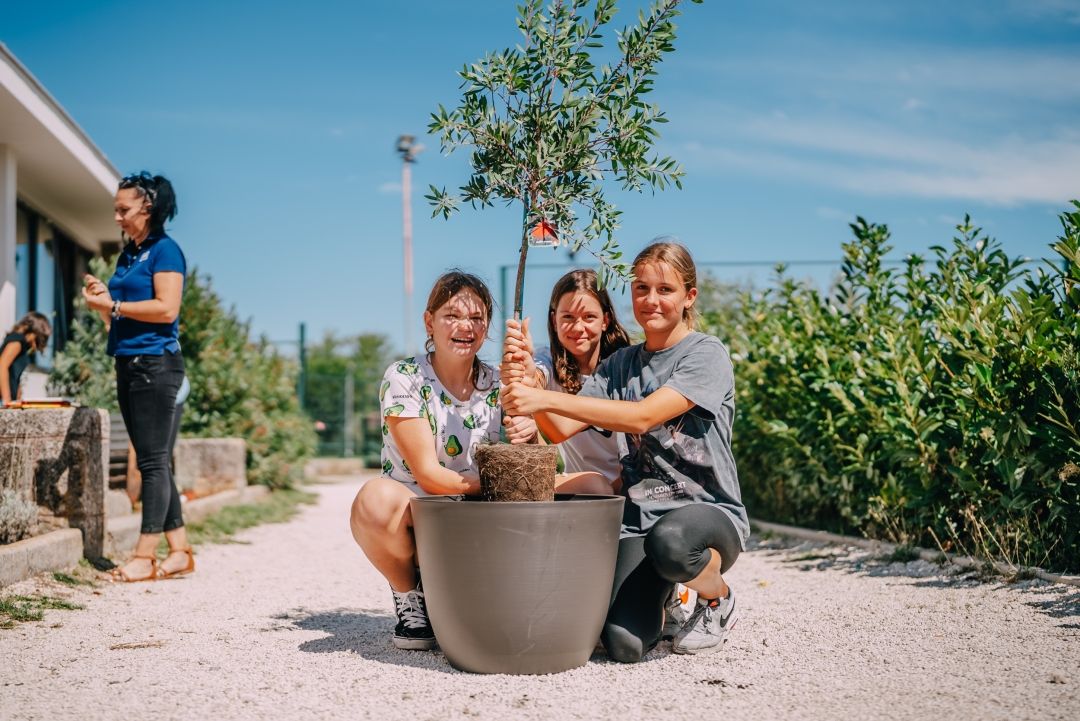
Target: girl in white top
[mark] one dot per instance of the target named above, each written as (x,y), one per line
(583,330)
(435,408)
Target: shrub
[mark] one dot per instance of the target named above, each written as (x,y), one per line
(934,402)
(239,386)
(17,516)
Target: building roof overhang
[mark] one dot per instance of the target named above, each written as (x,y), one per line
(61,173)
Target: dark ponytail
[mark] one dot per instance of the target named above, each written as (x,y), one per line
(159,192)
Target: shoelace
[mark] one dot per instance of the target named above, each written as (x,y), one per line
(410,609)
(705,613)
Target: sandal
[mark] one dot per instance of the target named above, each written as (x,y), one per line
(117,575)
(189,568)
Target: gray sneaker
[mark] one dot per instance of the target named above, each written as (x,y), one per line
(413,630)
(678,609)
(706,630)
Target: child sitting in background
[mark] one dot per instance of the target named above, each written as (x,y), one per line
(31,334)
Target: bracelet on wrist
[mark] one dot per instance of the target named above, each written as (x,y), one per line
(116,309)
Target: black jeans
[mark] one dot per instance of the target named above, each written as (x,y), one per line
(675,550)
(146,387)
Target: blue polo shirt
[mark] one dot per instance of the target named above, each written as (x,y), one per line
(134,281)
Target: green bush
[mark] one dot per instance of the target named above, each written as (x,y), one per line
(939,402)
(239,387)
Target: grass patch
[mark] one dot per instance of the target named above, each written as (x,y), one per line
(903,554)
(68,580)
(278,507)
(20,609)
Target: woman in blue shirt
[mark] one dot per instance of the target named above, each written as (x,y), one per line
(141,307)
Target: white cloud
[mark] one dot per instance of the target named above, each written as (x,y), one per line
(882,161)
(390,187)
(925,70)
(833,214)
(1067,10)
(994,125)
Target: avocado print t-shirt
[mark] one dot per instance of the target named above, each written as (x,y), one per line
(410,389)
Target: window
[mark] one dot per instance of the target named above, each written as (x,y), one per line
(48,266)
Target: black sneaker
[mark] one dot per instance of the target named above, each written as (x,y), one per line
(413,630)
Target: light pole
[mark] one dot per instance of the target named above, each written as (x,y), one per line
(408,148)
(349,421)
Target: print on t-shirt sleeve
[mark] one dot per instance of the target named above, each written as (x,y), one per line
(704,376)
(168,258)
(399,393)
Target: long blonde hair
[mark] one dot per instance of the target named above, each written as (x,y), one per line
(677,257)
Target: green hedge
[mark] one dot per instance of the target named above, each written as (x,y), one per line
(934,402)
(239,386)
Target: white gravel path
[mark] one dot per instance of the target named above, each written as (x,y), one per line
(294,624)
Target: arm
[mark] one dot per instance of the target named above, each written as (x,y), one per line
(164,307)
(552,409)
(7,357)
(413,438)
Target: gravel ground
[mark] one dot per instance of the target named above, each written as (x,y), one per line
(294,623)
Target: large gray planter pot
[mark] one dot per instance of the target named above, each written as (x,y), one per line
(517,587)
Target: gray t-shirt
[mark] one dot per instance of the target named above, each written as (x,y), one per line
(688,458)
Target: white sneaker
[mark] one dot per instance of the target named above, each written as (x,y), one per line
(678,609)
(707,629)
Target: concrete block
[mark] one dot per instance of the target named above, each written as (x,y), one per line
(206,466)
(122,533)
(55,551)
(117,504)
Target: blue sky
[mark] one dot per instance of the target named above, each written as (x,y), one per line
(277,122)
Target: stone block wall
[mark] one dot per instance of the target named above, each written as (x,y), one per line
(58,457)
(209,465)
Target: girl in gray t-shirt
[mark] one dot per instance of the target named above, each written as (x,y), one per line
(672,399)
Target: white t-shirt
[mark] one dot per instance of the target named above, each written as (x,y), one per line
(410,389)
(593,449)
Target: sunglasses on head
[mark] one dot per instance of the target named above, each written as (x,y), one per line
(143,182)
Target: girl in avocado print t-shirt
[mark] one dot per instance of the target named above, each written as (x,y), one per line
(411,389)
(435,409)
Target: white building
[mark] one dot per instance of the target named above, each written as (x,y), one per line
(56,195)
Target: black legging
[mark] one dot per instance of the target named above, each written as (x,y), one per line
(146,388)
(673,551)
